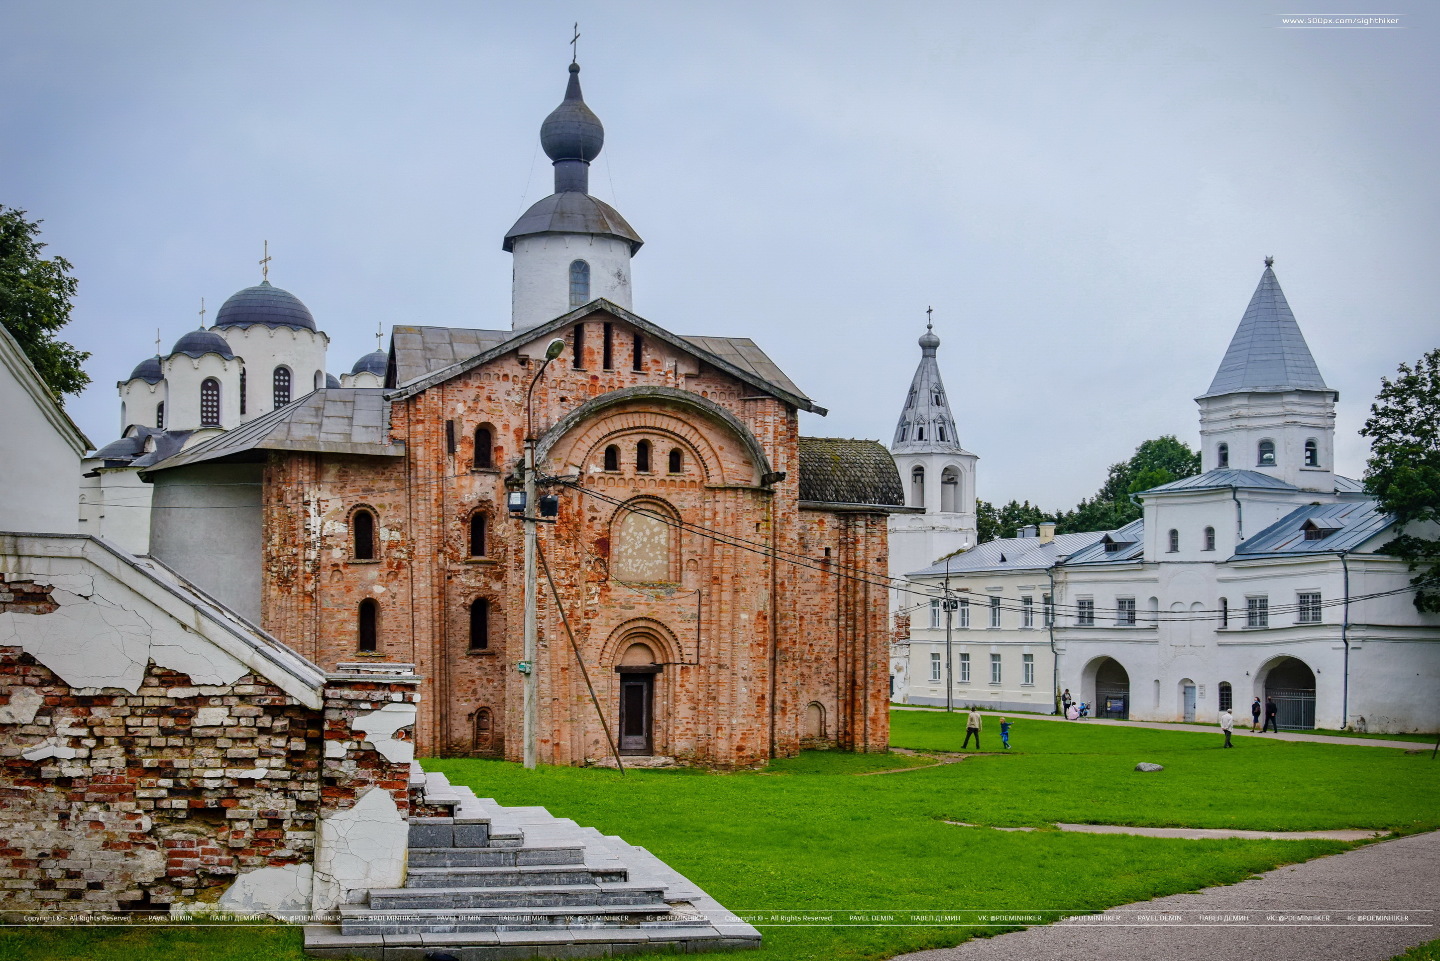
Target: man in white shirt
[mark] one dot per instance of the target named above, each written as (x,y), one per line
(1227,724)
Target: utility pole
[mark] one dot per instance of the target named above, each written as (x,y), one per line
(530,701)
(950,606)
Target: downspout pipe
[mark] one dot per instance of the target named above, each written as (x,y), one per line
(1049,615)
(1239,514)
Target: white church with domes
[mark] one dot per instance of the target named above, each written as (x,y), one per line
(263,351)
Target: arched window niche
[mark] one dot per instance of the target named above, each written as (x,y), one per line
(480,624)
(1312,453)
(579,283)
(917,487)
(644,548)
(1174,540)
(362,535)
(368,626)
(677,460)
(282,386)
(612,458)
(210,402)
(950,490)
(1265,454)
(1222,456)
(484,455)
(477,532)
(642,457)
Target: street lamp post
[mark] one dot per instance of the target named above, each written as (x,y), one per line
(530,702)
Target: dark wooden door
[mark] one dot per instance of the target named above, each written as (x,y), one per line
(636,699)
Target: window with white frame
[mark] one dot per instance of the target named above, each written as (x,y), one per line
(962,613)
(994,612)
(1309,609)
(1049,603)
(935,612)
(1224,612)
(964,668)
(1027,612)
(1125,611)
(1085,611)
(994,668)
(934,667)
(1257,611)
(1209,538)
(1028,663)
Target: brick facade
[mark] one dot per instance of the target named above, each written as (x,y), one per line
(113,801)
(743,644)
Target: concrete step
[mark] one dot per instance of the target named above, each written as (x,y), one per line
(495,857)
(512,896)
(326,941)
(527,874)
(449,833)
(361,919)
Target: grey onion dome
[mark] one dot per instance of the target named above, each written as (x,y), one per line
(264,304)
(148,370)
(929,341)
(572,131)
(197,343)
(374,362)
(331,380)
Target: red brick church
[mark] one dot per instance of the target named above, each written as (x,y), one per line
(723,578)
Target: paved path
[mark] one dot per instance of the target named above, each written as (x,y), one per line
(1322,910)
(1197,728)
(1196,834)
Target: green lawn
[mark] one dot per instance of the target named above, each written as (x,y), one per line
(810,836)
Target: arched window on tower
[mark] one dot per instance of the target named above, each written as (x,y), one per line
(209,402)
(479,624)
(1174,540)
(484,448)
(1222,456)
(160,416)
(579,283)
(612,458)
(917,487)
(642,457)
(1209,538)
(477,534)
(243,390)
(919,431)
(368,626)
(1312,453)
(1265,454)
(677,460)
(950,490)
(940,431)
(282,386)
(362,535)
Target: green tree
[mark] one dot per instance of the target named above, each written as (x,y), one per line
(987,521)
(1403,473)
(1157,461)
(35,303)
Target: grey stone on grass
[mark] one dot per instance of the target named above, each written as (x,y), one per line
(1148,766)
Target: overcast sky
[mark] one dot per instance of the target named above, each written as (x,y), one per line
(1084,192)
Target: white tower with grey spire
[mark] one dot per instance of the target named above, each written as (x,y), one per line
(1268,409)
(569,248)
(938,474)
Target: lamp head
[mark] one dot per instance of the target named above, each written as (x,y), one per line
(556,348)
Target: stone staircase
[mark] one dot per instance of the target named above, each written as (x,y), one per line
(488,882)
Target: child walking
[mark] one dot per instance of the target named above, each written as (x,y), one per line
(1005,732)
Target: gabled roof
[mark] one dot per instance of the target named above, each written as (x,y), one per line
(417,351)
(337,420)
(1222,478)
(744,363)
(1012,554)
(1343,526)
(837,470)
(1268,352)
(1128,541)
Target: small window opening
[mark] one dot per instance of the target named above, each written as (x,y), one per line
(369,626)
(477,535)
(677,460)
(210,402)
(578,348)
(642,457)
(1266,454)
(609,347)
(484,448)
(1223,455)
(1174,540)
(637,361)
(1209,538)
(612,458)
(244,389)
(362,531)
(479,625)
(579,283)
(282,386)
(160,416)
(1312,454)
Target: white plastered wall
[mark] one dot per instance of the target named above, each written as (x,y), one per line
(541,281)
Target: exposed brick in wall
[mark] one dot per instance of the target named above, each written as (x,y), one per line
(745,643)
(133,802)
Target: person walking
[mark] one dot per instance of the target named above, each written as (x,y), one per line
(1004,733)
(1255,716)
(972,728)
(1270,712)
(1227,723)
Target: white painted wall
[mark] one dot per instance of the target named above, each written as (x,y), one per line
(541,280)
(40,450)
(1288,418)
(184,375)
(206,523)
(139,401)
(265,348)
(115,505)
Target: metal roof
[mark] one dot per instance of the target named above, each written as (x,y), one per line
(1131,539)
(838,470)
(264,304)
(423,350)
(1268,352)
(1348,485)
(1352,523)
(927,408)
(344,420)
(1221,478)
(198,343)
(742,360)
(1012,554)
(572,212)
